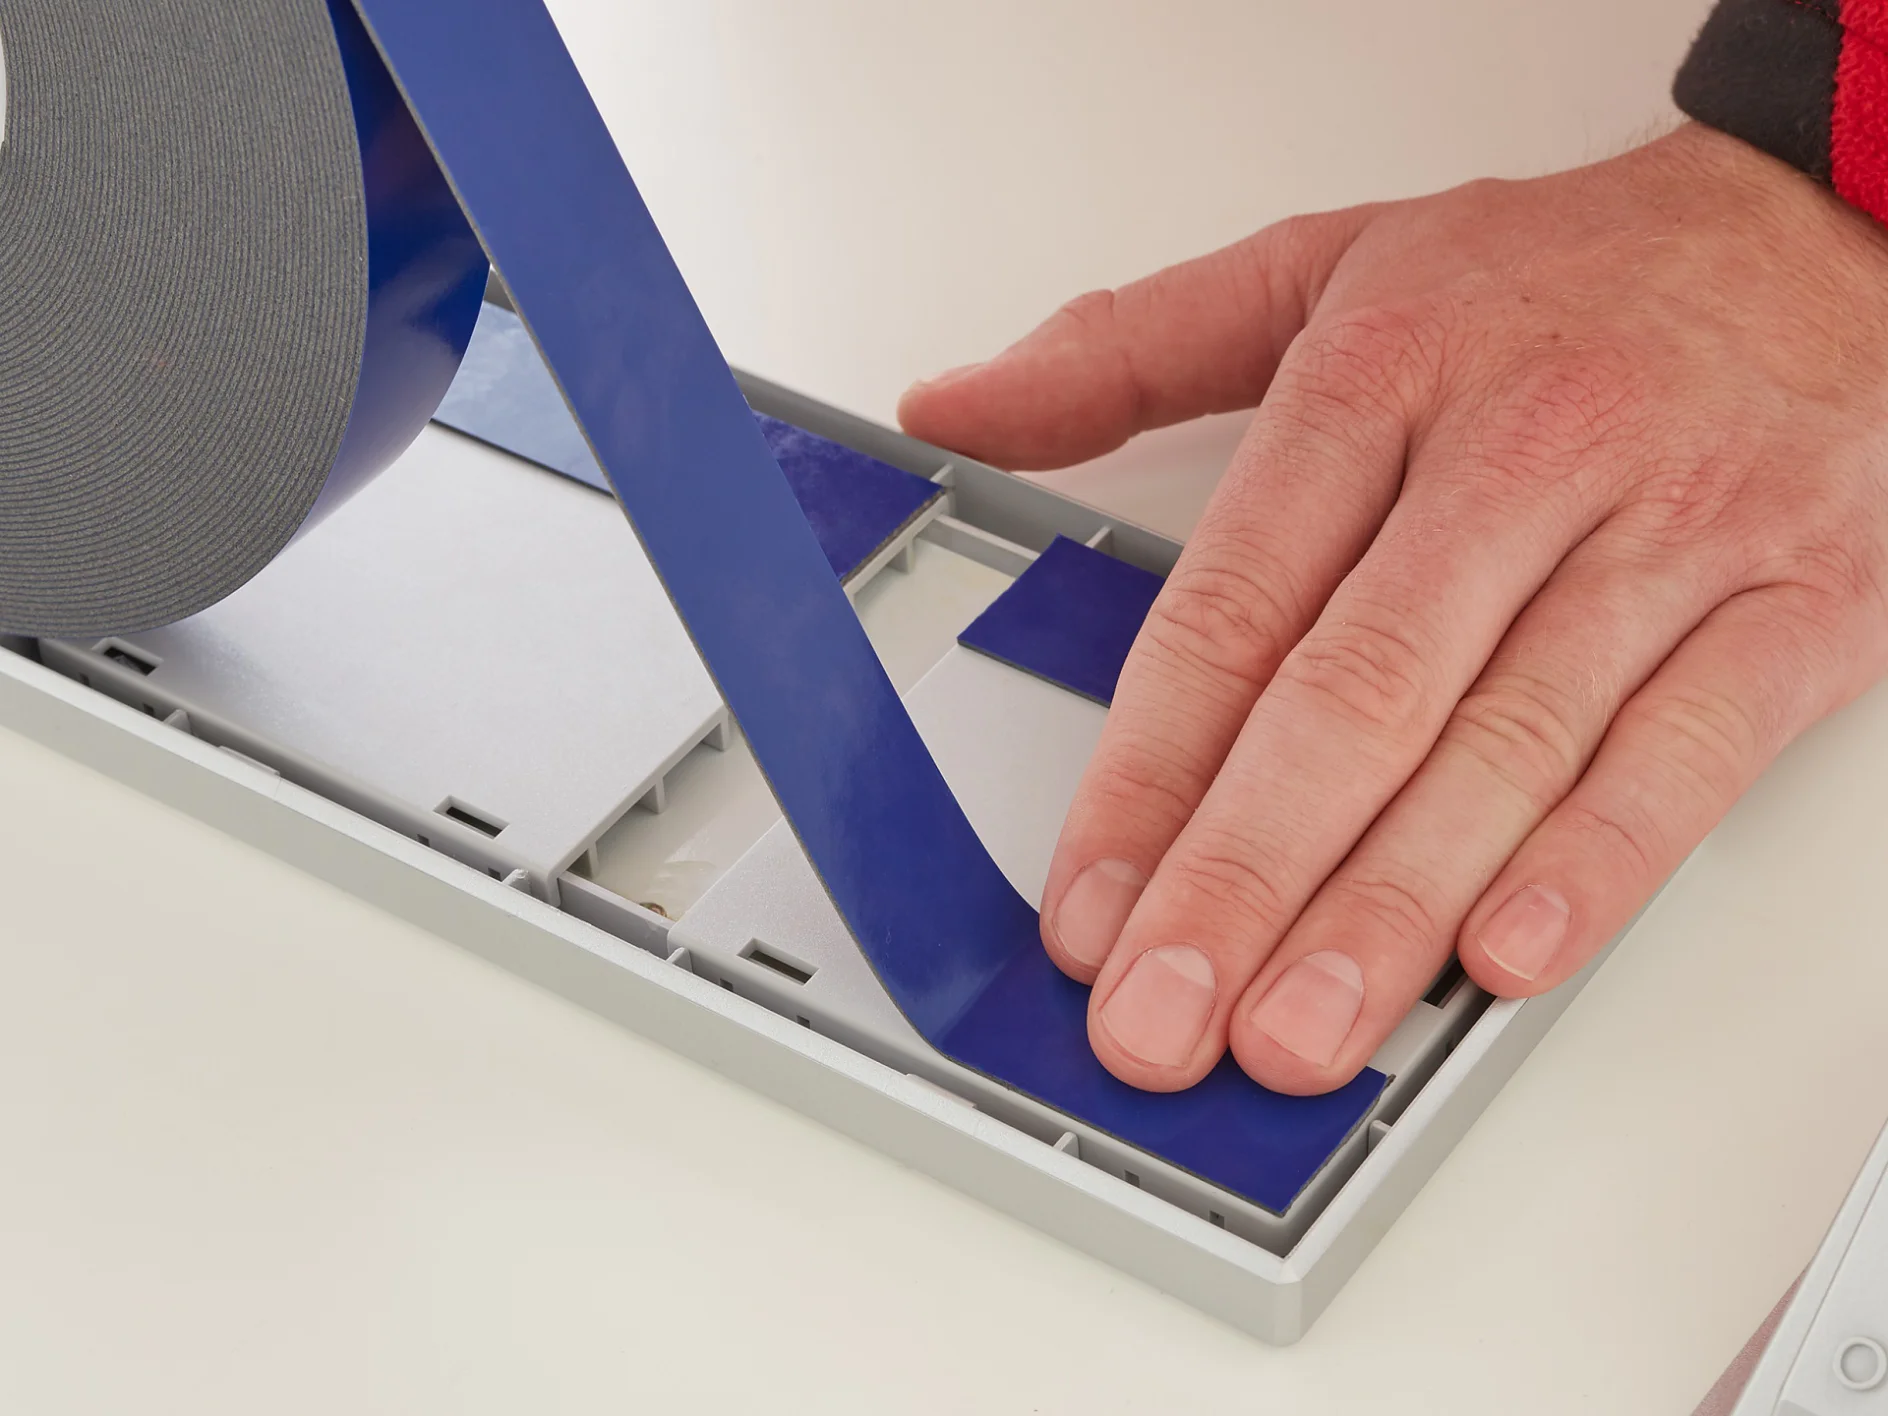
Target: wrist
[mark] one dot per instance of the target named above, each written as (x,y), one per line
(1760,191)
(1805,81)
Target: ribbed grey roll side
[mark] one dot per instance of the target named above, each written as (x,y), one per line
(183,299)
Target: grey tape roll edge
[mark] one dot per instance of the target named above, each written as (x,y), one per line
(235,288)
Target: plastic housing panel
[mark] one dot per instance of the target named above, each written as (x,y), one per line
(719,804)
(430,644)
(606,956)
(1265,1276)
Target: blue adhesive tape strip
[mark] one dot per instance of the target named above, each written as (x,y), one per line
(955,946)
(506,397)
(1070,618)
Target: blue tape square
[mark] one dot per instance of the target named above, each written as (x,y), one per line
(1070,618)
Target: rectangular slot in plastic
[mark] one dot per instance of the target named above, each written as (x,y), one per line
(786,967)
(1445,984)
(465,816)
(121,653)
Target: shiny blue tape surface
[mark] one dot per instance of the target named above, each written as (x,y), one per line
(505,396)
(426,274)
(954,944)
(1070,618)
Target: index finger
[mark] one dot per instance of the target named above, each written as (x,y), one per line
(1349,716)
(1204,336)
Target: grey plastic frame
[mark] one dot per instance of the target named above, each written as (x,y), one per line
(615,959)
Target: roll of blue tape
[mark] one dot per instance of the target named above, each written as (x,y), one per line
(233,286)
(237,283)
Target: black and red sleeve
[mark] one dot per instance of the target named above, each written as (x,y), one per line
(1806,81)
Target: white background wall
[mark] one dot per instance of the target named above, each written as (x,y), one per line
(860,192)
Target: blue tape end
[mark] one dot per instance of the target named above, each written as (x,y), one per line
(1070,618)
(504,395)
(1029,1029)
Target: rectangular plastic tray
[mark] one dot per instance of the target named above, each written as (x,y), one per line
(361,711)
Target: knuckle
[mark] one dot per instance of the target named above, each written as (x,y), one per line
(1556,408)
(1824,626)
(1231,877)
(1218,623)
(1144,789)
(1368,337)
(1840,571)
(1619,832)
(1092,320)
(1398,908)
(1093,311)
(1370,675)
(1711,740)
(1689,502)
(1524,731)
(1293,241)
(1484,192)
(1356,359)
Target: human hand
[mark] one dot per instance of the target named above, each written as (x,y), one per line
(1565,508)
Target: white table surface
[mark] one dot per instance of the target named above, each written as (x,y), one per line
(269,1150)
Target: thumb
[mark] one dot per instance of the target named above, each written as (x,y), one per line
(1201,337)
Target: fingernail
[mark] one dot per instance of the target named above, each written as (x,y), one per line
(1313,1006)
(1525,933)
(948,376)
(1092,910)
(1159,1010)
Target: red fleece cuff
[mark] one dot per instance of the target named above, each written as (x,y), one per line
(1858,128)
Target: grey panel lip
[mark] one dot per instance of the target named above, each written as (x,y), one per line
(122,685)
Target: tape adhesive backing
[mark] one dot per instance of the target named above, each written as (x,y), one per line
(234,289)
